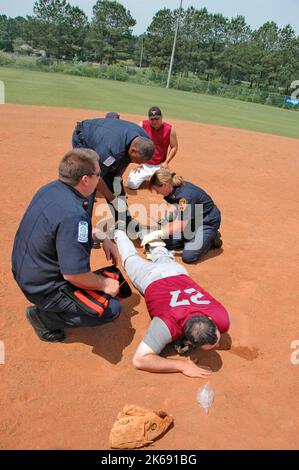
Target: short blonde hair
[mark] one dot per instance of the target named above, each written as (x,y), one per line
(163,176)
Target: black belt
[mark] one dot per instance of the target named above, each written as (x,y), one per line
(78,127)
(80,134)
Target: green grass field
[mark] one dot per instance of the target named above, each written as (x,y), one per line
(51,89)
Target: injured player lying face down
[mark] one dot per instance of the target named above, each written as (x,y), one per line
(181,311)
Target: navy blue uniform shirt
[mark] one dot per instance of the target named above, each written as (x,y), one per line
(111,139)
(186,197)
(54,238)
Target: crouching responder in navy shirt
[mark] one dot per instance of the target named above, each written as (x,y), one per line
(118,143)
(197,218)
(52,248)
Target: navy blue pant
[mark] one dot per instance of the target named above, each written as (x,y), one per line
(58,312)
(201,243)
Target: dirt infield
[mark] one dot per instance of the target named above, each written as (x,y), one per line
(66,396)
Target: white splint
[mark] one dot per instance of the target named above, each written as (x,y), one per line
(153,244)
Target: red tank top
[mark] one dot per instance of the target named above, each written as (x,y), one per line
(177,298)
(161,138)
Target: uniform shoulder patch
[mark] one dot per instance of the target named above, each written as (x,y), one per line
(109,161)
(182,204)
(83,231)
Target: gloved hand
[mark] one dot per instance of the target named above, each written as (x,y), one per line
(152,236)
(117,186)
(119,204)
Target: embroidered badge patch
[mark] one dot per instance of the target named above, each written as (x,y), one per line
(83,231)
(109,161)
(182,204)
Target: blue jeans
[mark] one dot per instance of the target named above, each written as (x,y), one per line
(202,242)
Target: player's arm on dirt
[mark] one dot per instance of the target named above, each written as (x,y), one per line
(173,147)
(146,359)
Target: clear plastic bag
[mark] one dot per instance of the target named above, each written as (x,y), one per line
(205,397)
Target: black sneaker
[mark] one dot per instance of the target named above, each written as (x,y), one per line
(54,336)
(217,242)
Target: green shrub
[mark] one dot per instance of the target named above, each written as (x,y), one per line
(116,73)
(6,59)
(41,61)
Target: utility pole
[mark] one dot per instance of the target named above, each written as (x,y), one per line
(141,53)
(174,44)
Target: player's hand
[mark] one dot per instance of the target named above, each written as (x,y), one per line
(110,251)
(110,287)
(152,236)
(165,165)
(191,369)
(119,204)
(137,169)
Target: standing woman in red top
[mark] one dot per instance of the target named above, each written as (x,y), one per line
(166,146)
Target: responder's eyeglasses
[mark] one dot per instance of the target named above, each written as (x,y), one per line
(95,174)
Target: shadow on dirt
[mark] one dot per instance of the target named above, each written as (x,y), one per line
(109,340)
(210,358)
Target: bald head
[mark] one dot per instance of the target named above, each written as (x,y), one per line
(141,150)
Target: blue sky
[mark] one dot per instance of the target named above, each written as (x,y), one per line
(256,12)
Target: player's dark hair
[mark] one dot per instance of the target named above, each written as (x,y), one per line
(77,163)
(162,176)
(112,115)
(200,330)
(145,148)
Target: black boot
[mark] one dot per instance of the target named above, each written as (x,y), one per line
(54,336)
(217,242)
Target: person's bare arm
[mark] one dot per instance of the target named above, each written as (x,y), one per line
(147,360)
(104,190)
(110,251)
(177,226)
(173,147)
(93,281)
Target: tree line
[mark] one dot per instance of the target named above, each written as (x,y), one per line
(210,47)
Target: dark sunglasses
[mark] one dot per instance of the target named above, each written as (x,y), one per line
(154,118)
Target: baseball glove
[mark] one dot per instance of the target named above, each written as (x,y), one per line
(138,427)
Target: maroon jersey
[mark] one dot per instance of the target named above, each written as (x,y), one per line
(177,298)
(161,138)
